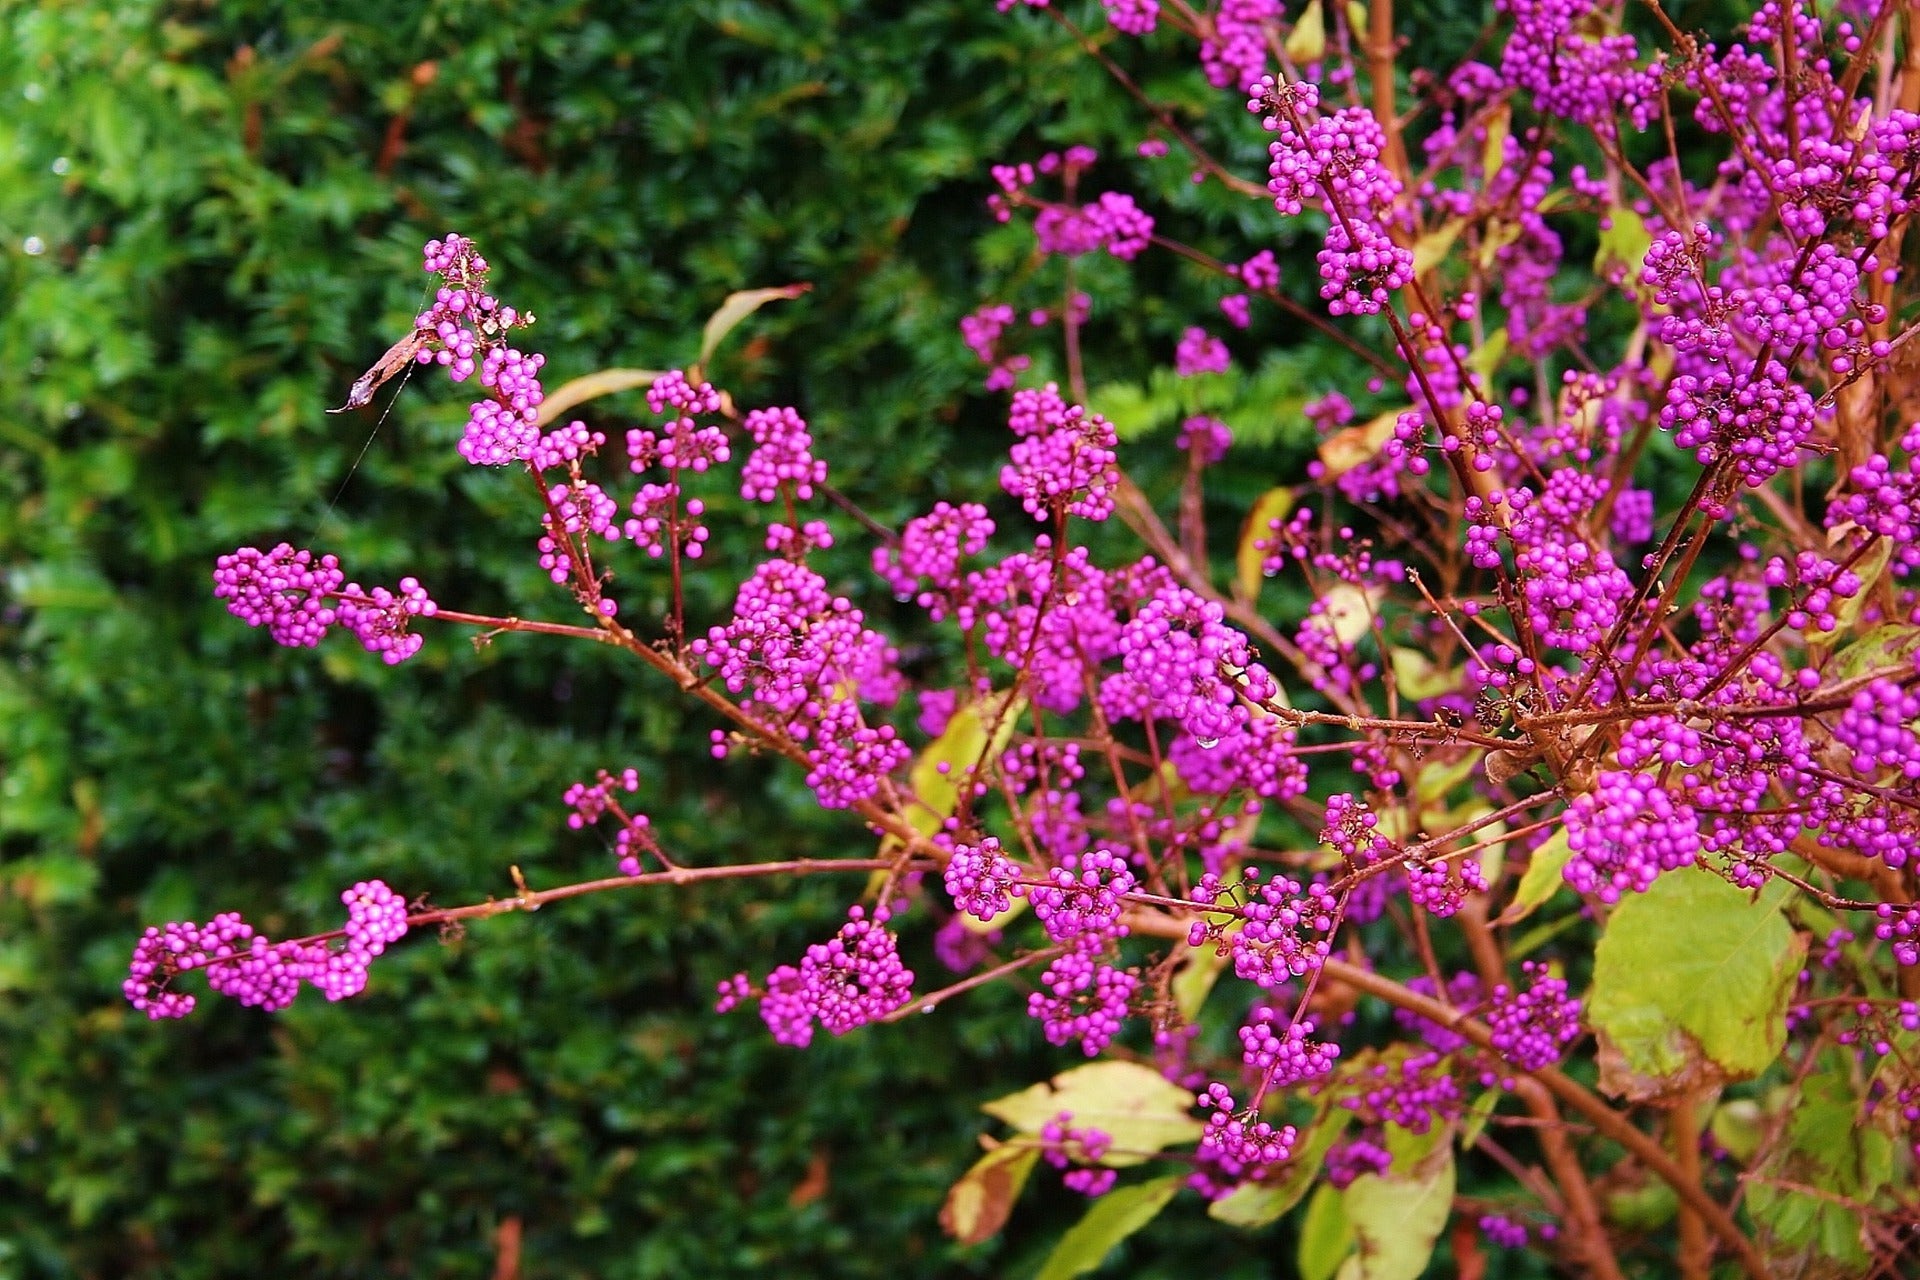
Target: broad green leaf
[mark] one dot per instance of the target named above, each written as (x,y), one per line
(736,308)
(1113,1218)
(1137,1106)
(1326,1237)
(1272,505)
(1828,1147)
(1690,985)
(1397,1216)
(590,387)
(1543,878)
(1256,1204)
(978,1204)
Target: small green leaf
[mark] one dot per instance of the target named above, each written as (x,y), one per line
(1544,876)
(1690,985)
(1137,1106)
(1113,1218)
(1477,1116)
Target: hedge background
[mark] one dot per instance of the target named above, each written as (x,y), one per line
(211,216)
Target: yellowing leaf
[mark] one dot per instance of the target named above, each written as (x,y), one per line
(1891,644)
(1431,249)
(1690,985)
(1397,1216)
(1307,42)
(1485,359)
(1344,450)
(1870,568)
(736,308)
(1348,611)
(1416,676)
(1135,1104)
(1493,154)
(1113,1218)
(1272,505)
(591,387)
(978,1204)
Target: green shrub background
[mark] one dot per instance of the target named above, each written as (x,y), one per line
(231,199)
(230,237)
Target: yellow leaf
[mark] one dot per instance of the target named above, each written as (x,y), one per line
(590,387)
(736,308)
(1307,42)
(1273,505)
(1493,155)
(1485,358)
(1345,450)
(1431,249)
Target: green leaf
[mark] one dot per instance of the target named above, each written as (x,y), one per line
(1891,644)
(1326,1237)
(1113,1218)
(1690,985)
(1137,1106)
(1397,1216)
(1256,1204)
(1543,878)
(736,308)
(978,1204)
(1200,967)
(1624,242)
(1829,1148)
(1477,1116)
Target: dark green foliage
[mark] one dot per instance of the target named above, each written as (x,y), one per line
(231,199)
